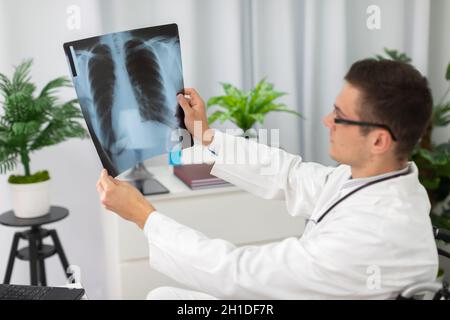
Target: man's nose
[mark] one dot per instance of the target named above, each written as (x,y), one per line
(327,120)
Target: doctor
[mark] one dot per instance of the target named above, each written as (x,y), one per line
(368,232)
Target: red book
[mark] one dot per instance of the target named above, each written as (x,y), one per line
(197,176)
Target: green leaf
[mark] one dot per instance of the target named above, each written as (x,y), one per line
(232,91)
(266,98)
(431,184)
(441,221)
(289,111)
(258,117)
(8,160)
(54,84)
(21,74)
(25,128)
(230,103)
(435,157)
(215,116)
(5,85)
(441,115)
(394,55)
(214,101)
(447,74)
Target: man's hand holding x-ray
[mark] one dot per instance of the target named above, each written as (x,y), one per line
(123,198)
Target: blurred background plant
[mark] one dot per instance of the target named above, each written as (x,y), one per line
(433,160)
(29,123)
(247,108)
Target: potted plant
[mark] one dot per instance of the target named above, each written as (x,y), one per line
(29,123)
(433,160)
(246,108)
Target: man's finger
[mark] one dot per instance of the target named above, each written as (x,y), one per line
(100,182)
(99,188)
(105,179)
(193,93)
(184,104)
(112,180)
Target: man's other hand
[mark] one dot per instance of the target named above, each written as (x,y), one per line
(124,199)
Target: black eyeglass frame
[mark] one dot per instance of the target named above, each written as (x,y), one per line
(365,124)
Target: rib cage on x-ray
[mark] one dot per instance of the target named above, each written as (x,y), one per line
(102,79)
(127,84)
(144,72)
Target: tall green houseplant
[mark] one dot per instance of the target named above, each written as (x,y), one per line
(246,108)
(31,122)
(433,160)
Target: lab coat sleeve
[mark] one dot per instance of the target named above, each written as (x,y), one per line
(288,269)
(269,172)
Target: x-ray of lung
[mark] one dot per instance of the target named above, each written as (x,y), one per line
(126,84)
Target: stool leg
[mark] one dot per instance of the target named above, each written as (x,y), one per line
(12,257)
(60,252)
(41,265)
(42,277)
(33,260)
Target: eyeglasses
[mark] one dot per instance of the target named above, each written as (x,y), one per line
(364,124)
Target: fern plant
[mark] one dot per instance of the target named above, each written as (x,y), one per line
(246,108)
(31,122)
(433,160)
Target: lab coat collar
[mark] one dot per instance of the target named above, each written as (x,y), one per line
(354,183)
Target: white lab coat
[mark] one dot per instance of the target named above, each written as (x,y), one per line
(370,246)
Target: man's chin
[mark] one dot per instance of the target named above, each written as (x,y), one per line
(331,153)
(334,156)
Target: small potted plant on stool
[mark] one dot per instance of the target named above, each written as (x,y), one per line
(29,123)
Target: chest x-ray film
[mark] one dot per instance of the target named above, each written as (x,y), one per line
(127,83)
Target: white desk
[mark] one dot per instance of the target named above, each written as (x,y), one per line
(225,212)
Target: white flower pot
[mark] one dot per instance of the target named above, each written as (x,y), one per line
(30,200)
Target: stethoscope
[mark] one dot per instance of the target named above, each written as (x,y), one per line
(353,192)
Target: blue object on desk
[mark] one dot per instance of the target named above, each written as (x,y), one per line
(175,158)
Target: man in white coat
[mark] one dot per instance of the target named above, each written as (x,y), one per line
(368,233)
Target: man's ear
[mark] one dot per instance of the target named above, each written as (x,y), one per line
(381,141)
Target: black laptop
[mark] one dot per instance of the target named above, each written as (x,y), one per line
(20,292)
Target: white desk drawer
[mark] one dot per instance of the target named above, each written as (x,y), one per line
(138,279)
(237,216)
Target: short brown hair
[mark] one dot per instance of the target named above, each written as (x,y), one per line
(394,94)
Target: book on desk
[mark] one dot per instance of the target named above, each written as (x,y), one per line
(198,176)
